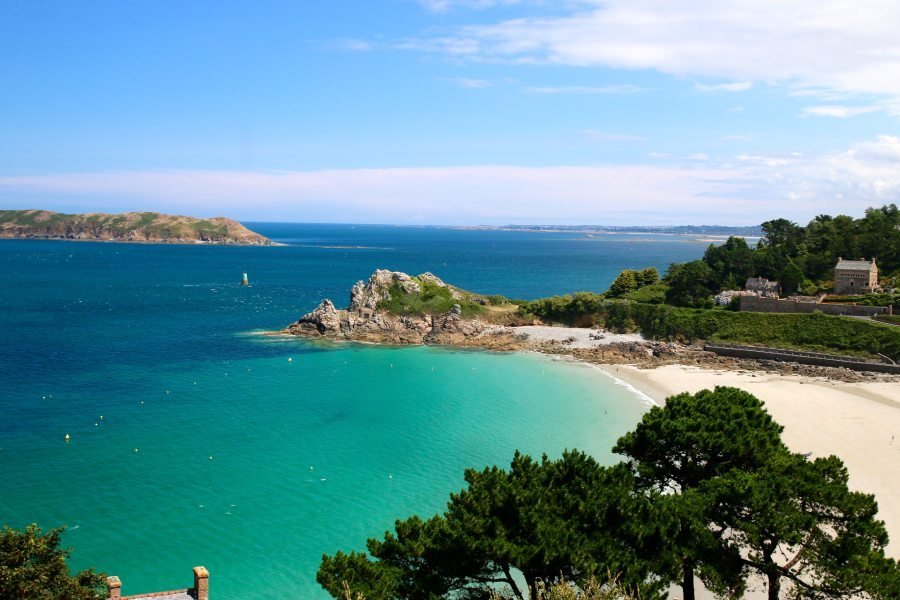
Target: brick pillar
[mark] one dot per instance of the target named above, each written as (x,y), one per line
(115,587)
(201,583)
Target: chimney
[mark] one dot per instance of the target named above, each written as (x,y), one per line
(201,583)
(115,587)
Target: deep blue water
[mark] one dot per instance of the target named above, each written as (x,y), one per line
(208,433)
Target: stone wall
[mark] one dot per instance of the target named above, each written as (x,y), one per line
(200,591)
(774,305)
(806,358)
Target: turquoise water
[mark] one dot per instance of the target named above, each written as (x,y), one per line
(215,449)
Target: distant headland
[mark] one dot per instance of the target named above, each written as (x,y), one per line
(146,227)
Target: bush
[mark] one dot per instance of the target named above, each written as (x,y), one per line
(432,299)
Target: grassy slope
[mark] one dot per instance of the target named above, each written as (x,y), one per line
(814,332)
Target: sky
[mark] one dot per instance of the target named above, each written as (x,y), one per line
(452,112)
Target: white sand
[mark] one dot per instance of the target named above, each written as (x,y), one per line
(858,422)
(582,336)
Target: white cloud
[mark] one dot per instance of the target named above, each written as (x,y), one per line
(741,86)
(467,82)
(838,111)
(353,45)
(595,135)
(827,46)
(446,5)
(748,189)
(582,89)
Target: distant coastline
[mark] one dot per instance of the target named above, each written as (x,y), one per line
(706,231)
(135,227)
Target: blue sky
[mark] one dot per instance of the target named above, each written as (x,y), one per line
(452,111)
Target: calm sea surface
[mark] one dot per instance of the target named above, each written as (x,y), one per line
(194,440)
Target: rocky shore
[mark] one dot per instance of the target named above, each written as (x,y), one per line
(366,320)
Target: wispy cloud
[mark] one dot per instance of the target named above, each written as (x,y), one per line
(595,135)
(822,46)
(447,5)
(748,188)
(353,45)
(467,82)
(741,86)
(585,89)
(736,138)
(838,111)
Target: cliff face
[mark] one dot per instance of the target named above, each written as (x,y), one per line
(126,227)
(365,321)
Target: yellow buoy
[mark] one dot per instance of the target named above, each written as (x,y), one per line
(67,438)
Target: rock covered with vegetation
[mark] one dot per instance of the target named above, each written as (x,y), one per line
(394,307)
(127,227)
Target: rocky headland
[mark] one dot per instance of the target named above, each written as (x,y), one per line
(147,227)
(395,308)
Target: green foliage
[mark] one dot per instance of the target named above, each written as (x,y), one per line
(720,455)
(592,589)
(432,299)
(803,258)
(812,332)
(731,263)
(568,309)
(698,436)
(627,281)
(690,284)
(33,566)
(544,519)
(649,294)
(630,281)
(797,521)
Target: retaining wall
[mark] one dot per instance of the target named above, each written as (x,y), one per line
(806,358)
(776,305)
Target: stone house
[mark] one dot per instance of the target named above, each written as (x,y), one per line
(855,276)
(762,287)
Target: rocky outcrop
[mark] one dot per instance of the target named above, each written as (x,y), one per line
(148,227)
(365,321)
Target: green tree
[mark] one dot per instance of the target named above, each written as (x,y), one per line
(627,281)
(33,567)
(648,276)
(784,234)
(543,519)
(687,442)
(690,284)
(794,520)
(731,262)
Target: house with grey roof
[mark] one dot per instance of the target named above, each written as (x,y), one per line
(762,287)
(855,276)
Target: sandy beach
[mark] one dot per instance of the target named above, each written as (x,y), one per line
(858,422)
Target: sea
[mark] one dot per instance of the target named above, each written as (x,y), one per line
(141,406)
